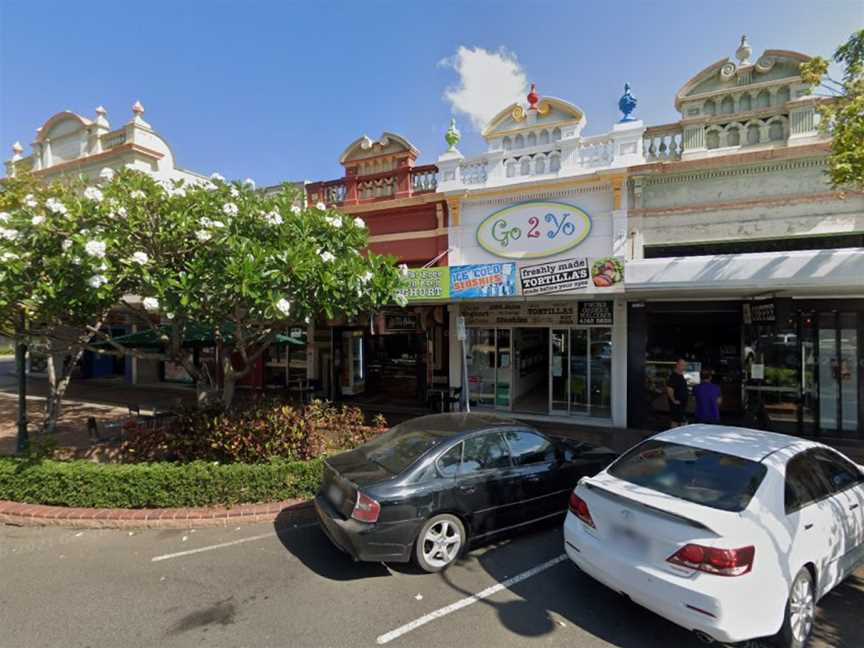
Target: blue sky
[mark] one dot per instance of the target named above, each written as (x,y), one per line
(276,90)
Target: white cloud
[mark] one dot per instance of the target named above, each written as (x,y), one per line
(488,83)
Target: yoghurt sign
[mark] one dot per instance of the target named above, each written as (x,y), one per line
(533,229)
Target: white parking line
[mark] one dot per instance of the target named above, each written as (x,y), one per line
(469,600)
(222,545)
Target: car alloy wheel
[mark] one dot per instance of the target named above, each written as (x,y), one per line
(802,609)
(440,542)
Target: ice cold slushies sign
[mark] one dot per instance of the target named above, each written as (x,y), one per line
(533,230)
(558,276)
(483,280)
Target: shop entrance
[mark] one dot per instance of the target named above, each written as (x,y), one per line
(541,370)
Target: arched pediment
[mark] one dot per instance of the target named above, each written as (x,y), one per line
(62,123)
(725,74)
(388,144)
(551,111)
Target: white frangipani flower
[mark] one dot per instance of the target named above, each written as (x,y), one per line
(38,219)
(107,174)
(273,218)
(359,222)
(54,205)
(216,177)
(120,211)
(95,249)
(284,307)
(249,182)
(66,245)
(366,277)
(333,221)
(8,256)
(97,281)
(217,224)
(320,206)
(8,234)
(403,269)
(296,209)
(140,258)
(138,195)
(234,192)
(230,209)
(92,193)
(203,235)
(4,217)
(150,304)
(30,201)
(76,260)
(327,256)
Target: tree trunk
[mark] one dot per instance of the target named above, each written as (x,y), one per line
(228,389)
(56,390)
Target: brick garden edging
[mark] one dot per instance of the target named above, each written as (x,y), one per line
(31,515)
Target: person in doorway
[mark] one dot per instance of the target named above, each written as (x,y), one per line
(707,397)
(676,393)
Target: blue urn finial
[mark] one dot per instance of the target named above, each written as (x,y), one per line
(627,104)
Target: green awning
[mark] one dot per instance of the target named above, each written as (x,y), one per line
(196,335)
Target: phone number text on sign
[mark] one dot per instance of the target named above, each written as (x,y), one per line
(533,229)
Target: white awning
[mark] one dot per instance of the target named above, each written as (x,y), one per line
(810,270)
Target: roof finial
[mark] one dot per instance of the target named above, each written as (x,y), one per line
(533,97)
(744,51)
(137,115)
(627,104)
(452,136)
(137,108)
(17,148)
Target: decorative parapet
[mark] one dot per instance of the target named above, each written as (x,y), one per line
(663,143)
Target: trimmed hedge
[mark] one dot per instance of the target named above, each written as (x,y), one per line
(155,485)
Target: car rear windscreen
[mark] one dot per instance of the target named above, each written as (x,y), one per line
(706,477)
(397,449)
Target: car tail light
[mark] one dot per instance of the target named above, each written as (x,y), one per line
(580,509)
(366,509)
(723,562)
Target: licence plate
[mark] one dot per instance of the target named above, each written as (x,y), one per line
(334,495)
(631,540)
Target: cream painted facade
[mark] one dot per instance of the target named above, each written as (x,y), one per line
(68,144)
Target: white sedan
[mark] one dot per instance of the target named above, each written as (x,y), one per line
(732,533)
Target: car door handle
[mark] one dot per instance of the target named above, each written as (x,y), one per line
(533,478)
(853,507)
(468,489)
(807,527)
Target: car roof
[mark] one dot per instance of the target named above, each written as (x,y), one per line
(452,424)
(737,441)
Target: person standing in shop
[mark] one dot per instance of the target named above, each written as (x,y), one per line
(677,395)
(707,398)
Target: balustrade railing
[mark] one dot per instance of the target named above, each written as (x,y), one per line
(596,151)
(663,143)
(473,172)
(424,178)
(335,192)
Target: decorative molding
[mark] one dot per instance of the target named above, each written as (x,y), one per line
(386,204)
(729,172)
(405,236)
(779,201)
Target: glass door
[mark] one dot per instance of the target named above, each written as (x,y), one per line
(559,374)
(580,371)
(490,367)
(838,374)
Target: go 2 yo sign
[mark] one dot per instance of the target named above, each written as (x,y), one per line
(534,229)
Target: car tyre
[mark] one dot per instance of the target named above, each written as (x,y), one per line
(800,616)
(439,543)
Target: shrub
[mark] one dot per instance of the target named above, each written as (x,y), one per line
(155,485)
(258,432)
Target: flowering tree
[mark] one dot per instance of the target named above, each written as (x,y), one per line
(60,265)
(243,263)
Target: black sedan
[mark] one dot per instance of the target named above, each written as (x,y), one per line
(430,485)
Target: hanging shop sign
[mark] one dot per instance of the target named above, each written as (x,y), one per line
(760,312)
(594,313)
(399,322)
(423,284)
(589,313)
(533,230)
(483,280)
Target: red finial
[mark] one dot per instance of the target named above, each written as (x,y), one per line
(533,97)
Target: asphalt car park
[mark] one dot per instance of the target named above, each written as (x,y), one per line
(272,586)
